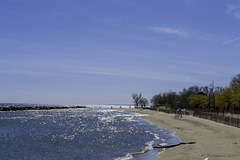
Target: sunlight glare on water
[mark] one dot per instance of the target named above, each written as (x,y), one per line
(91,133)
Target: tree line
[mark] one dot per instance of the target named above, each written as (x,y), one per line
(195,97)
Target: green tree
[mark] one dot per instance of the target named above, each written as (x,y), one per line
(157,100)
(171,98)
(235,90)
(220,100)
(185,93)
(198,101)
(223,99)
(236,79)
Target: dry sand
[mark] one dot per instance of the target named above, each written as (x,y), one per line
(214,141)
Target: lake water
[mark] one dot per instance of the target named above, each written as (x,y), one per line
(92,133)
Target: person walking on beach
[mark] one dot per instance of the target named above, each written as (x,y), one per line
(179,113)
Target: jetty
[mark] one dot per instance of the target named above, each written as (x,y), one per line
(14,108)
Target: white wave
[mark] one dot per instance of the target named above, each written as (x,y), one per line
(156,137)
(130,155)
(13,118)
(149,146)
(127,157)
(107,106)
(163,144)
(140,115)
(130,119)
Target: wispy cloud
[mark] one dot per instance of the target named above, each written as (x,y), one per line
(230,41)
(167,30)
(234,10)
(29,72)
(48,70)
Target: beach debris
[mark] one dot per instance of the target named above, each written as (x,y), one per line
(173,145)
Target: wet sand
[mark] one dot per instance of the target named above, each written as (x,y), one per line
(214,141)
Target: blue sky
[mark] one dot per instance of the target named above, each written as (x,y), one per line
(102,51)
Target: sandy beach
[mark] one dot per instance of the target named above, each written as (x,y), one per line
(214,141)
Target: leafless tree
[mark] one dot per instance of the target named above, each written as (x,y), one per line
(143,102)
(136,98)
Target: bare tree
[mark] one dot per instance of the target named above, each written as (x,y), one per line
(211,95)
(136,98)
(143,102)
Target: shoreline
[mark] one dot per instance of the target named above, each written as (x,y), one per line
(213,140)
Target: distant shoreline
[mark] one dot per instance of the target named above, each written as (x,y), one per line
(213,140)
(13,108)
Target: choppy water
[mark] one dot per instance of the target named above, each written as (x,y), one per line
(93,133)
